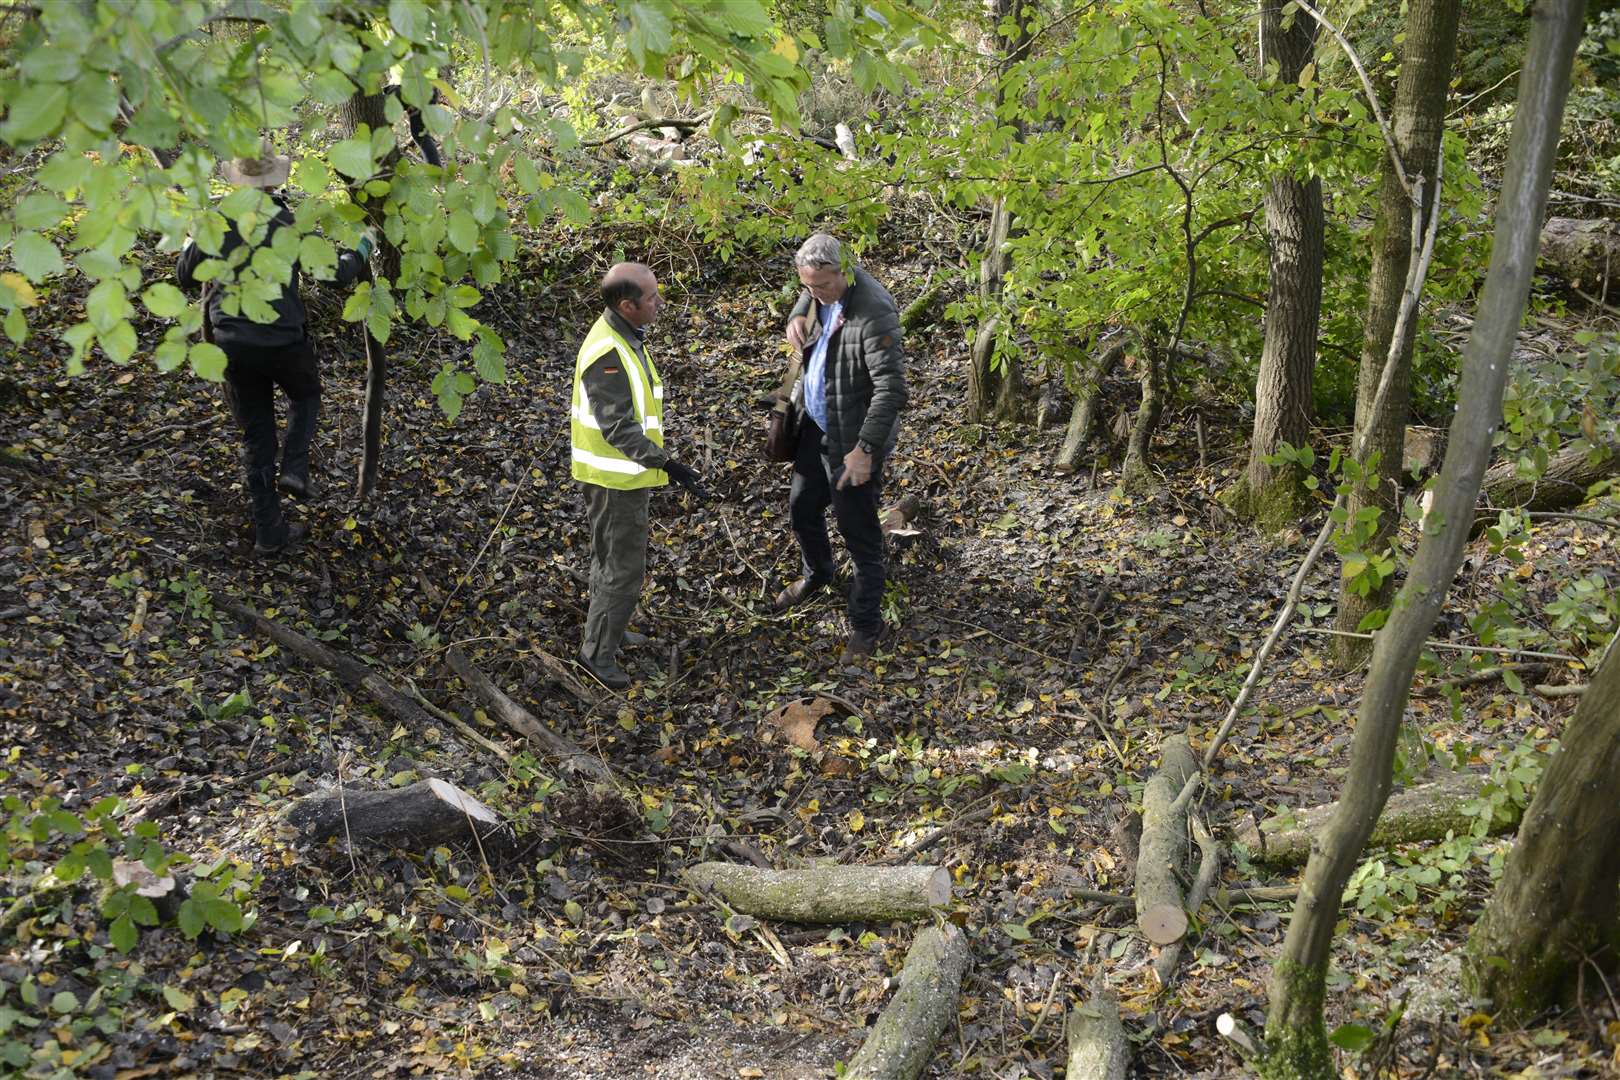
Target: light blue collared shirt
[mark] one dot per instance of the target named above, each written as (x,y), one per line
(815,375)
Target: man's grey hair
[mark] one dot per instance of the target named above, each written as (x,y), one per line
(821,251)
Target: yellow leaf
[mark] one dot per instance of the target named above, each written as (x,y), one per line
(857,821)
(21,289)
(786,48)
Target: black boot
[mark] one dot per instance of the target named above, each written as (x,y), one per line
(301,419)
(272,532)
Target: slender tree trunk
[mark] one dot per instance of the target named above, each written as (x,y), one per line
(991,392)
(1134,473)
(1296,1040)
(368,109)
(1559,898)
(1419,122)
(1273,496)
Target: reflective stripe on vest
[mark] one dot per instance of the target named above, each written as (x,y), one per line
(595,459)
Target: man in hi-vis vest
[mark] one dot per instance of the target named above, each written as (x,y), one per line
(619,456)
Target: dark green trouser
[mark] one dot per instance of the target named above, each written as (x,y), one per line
(618,567)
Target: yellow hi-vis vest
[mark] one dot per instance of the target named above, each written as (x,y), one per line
(595,459)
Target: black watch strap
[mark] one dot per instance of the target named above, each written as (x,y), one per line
(866,445)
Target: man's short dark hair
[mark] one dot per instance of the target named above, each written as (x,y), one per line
(623,282)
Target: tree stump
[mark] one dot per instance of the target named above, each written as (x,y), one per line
(420,816)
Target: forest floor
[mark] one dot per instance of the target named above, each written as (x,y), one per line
(1038,614)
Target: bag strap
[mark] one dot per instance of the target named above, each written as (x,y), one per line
(207,324)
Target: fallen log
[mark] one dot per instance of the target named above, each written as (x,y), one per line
(1425,812)
(1209,865)
(354,674)
(901,1042)
(420,816)
(1582,251)
(521,720)
(827,894)
(1160,906)
(899,522)
(919,313)
(1098,1048)
(1562,485)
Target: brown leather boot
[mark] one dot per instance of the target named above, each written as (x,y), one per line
(860,646)
(796,593)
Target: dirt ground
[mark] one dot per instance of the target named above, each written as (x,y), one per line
(1037,614)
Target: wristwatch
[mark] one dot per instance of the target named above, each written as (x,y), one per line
(863,444)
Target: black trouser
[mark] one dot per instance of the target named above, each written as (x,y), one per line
(815,487)
(252,373)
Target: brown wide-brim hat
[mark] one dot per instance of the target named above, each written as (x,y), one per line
(269,170)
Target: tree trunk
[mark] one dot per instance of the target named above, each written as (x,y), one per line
(1274,497)
(1559,898)
(1296,1039)
(827,894)
(1425,812)
(902,1040)
(1134,473)
(369,109)
(1088,397)
(992,393)
(1418,121)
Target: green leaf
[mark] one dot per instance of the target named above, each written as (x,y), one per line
(208,361)
(16,326)
(170,355)
(1511,678)
(66,170)
(35,114)
(490,361)
(1016,931)
(649,36)
(1352,1037)
(64,1002)
(36,257)
(463,231)
(527,176)
(52,63)
(40,211)
(118,342)
(178,999)
(122,933)
(164,300)
(192,920)
(352,157)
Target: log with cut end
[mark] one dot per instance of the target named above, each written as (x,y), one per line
(1160,911)
(901,1042)
(1098,1049)
(1562,485)
(420,816)
(1426,812)
(827,894)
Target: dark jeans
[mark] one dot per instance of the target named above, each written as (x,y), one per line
(815,487)
(252,374)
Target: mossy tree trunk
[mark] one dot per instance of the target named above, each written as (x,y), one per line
(1296,1039)
(1274,496)
(1419,122)
(1559,898)
(1135,475)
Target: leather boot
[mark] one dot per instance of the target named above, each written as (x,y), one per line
(271,530)
(797,593)
(301,420)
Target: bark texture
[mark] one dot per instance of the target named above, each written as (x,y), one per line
(1087,404)
(1134,473)
(1418,120)
(1425,812)
(1296,1038)
(368,109)
(421,816)
(1162,855)
(902,1040)
(1564,483)
(1098,1048)
(1273,496)
(827,894)
(1559,898)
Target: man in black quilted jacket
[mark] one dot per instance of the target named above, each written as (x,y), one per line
(267,345)
(848,406)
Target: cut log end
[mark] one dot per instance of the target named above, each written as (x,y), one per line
(1163,924)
